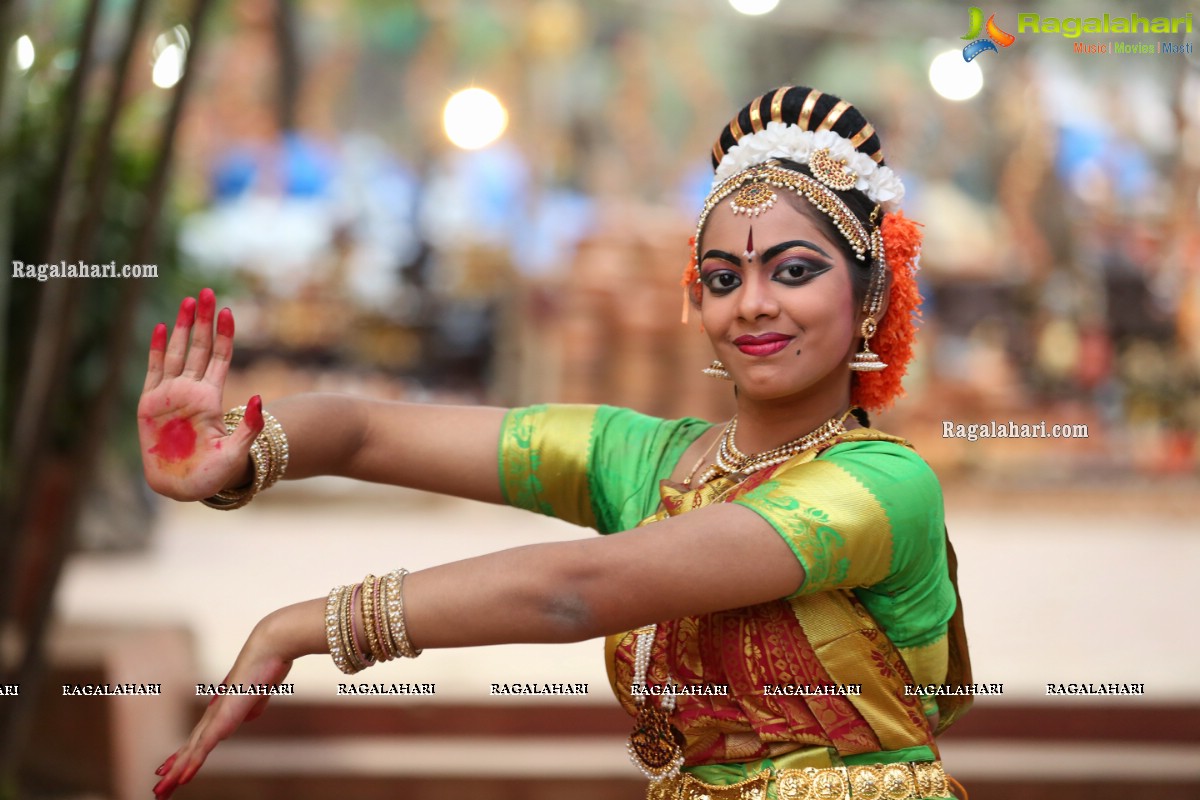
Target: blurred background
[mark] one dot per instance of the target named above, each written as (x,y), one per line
(489,201)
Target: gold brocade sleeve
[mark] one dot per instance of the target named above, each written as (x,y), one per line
(836,527)
(544,452)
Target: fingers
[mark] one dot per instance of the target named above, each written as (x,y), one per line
(251,424)
(158,350)
(190,771)
(243,437)
(222,351)
(175,772)
(177,349)
(202,336)
(169,776)
(258,708)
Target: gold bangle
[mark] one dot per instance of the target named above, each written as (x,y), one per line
(277,445)
(268,453)
(381,626)
(333,629)
(385,616)
(353,657)
(365,659)
(368,619)
(404,645)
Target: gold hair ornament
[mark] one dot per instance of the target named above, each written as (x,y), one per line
(754,191)
(831,171)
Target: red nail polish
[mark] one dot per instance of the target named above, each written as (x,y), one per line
(187,312)
(254,413)
(208,302)
(159,340)
(225,322)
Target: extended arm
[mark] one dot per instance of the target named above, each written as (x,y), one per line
(720,557)
(438,448)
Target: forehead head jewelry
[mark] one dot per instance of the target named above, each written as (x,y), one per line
(764,181)
(826,136)
(753,199)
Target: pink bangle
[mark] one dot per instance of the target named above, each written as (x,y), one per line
(367,656)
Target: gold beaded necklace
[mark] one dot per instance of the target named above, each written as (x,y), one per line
(730,460)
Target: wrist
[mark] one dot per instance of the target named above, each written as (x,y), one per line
(267,460)
(294,631)
(241,480)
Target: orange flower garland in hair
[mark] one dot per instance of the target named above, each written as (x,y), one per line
(876,391)
(691,280)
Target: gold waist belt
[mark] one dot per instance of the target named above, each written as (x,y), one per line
(868,782)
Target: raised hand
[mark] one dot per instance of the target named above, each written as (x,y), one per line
(186,453)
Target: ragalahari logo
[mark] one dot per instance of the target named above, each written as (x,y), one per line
(995,36)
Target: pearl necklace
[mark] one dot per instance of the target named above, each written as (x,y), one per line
(731,460)
(656,746)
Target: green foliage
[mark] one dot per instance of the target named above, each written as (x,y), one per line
(29,153)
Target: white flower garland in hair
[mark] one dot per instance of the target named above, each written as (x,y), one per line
(781,140)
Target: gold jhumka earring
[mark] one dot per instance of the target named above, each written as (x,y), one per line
(717,370)
(865,360)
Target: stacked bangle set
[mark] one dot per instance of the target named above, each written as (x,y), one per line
(269,454)
(379,603)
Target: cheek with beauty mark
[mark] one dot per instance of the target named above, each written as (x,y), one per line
(176,441)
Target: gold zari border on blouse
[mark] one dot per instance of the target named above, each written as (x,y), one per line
(541,474)
(927,662)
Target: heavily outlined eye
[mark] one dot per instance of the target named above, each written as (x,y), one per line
(721,281)
(796,271)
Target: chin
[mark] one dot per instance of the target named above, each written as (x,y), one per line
(761,384)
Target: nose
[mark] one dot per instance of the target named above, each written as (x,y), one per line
(756,299)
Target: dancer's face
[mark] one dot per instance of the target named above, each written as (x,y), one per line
(783,318)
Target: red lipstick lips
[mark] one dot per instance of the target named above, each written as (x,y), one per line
(762,345)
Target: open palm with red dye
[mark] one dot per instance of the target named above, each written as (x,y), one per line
(186,452)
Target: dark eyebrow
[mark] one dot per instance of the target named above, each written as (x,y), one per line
(775,250)
(721,254)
